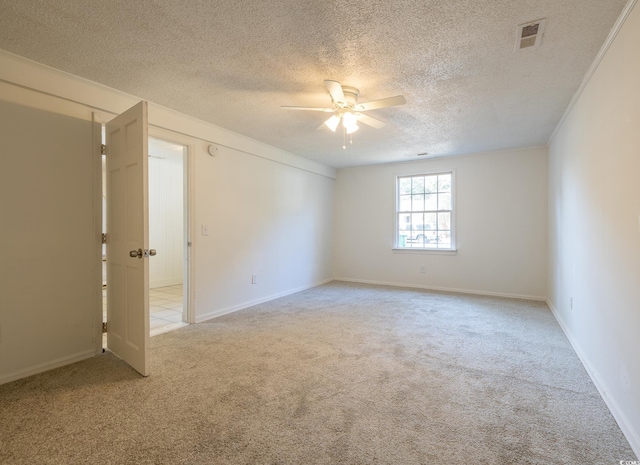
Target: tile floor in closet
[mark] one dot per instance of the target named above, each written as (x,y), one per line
(165,309)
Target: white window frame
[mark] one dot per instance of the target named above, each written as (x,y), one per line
(397,247)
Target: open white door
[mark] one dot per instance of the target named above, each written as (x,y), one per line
(128,237)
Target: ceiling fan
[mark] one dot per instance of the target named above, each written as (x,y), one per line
(348,110)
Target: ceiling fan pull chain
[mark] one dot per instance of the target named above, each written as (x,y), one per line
(344,138)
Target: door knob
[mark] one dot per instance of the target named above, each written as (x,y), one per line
(149,253)
(135,253)
(142,253)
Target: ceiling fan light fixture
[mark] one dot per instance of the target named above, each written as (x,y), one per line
(332,123)
(346,108)
(349,120)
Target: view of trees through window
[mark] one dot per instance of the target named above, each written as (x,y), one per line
(424,211)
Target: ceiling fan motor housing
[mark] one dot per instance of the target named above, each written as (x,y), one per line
(350,95)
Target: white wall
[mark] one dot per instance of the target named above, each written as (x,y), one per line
(594,230)
(166,218)
(269,213)
(501,215)
(49,252)
(264,218)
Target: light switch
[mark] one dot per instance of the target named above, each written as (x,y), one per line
(205,229)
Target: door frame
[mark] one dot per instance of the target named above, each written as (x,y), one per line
(189,211)
(99,119)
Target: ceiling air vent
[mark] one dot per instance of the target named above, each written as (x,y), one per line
(530,34)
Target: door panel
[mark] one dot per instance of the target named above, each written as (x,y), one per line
(128,230)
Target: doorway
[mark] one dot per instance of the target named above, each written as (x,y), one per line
(168,236)
(168,230)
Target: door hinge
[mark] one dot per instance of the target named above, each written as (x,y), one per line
(104,327)
(104,238)
(103,149)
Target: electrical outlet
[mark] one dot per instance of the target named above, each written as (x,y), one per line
(254,279)
(422,269)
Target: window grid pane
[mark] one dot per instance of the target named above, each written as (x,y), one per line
(417,202)
(426,205)
(417,185)
(405,203)
(405,186)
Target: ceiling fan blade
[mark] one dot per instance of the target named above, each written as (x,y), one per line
(376,123)
(335,89)
(382,103)
(326,110)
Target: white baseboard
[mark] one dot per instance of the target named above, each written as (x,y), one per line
(618,414)
(165,283)
(50,365)
(443,289)
(235,308)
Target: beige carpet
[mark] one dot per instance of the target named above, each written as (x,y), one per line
(340,374)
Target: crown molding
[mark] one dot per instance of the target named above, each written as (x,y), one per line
(594,66)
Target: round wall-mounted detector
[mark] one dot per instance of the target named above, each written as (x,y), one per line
(213,150)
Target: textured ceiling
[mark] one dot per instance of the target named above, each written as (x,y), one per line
(234,63)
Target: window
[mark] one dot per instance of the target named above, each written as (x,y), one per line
(424,212)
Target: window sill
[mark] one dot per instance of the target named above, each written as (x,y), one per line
(426,251)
